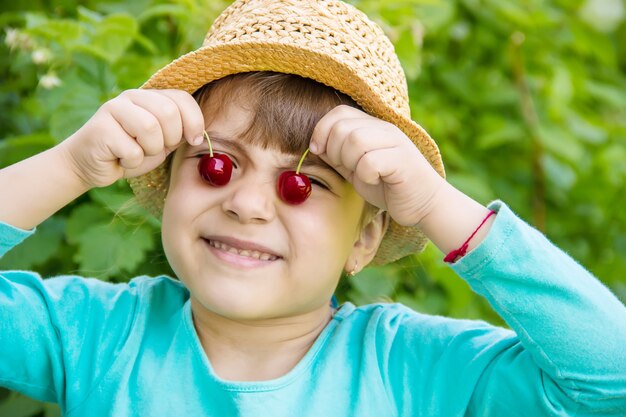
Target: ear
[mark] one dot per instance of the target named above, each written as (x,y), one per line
(367,243)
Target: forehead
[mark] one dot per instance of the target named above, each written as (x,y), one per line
(271,110)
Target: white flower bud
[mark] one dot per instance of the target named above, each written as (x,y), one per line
(11,38)
(41,56)
(603,15)
(16,39)
(49,81)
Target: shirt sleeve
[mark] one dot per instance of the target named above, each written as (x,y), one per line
(60,330)
(11,236)
(571,357)
(60,334)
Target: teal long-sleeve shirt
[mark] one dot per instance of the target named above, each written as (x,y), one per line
(102,349)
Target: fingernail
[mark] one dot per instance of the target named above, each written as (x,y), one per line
(198,140)
(313,148)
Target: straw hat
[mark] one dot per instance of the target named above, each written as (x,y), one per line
(328,41)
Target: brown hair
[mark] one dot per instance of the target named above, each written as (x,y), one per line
(285,108)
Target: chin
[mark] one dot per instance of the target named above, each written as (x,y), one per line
(236,305)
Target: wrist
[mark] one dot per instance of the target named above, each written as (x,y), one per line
(453,218)
(72,176)
(458,253)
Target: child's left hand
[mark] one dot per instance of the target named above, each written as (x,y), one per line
(380,161)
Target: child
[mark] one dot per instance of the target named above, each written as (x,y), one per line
(247,329)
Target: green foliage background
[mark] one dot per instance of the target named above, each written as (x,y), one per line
(527,100)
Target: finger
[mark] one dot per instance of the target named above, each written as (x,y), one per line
(343,171)
(348,174)
(342,131)
(190,113)
(165,110)
(378,165)
(148,164)
(319,137)
(125,148)
(362,140)
(140,124)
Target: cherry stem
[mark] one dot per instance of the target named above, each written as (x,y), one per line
(301,161)
(206,135)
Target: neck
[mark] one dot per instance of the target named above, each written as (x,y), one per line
(257,350)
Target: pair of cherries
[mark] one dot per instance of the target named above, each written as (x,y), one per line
(216,169)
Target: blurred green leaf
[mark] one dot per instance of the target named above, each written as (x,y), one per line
(17,148)
(82,218)
(62,31)
(18,405)
(105,250)
(497,131)
(373,285)
(89,16)
(472,185)
(561,175)
(560,142)
(433,14)
(37,249)
(79,101)
(163,10)
(606,93)
(51,410)
(407,50)
(114,35)
(120,201)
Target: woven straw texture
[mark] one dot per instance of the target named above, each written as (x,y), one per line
(328,41)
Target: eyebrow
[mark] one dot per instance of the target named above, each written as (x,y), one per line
(231,144)
(311,160)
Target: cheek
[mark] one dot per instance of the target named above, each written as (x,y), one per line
(178,213)
(173,213)
(185,191)
(169,237)
(325,231)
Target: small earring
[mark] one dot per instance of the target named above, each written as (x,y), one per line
(353,272)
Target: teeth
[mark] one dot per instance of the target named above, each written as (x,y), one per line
(248,253)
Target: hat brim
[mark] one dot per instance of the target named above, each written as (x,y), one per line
(208,63)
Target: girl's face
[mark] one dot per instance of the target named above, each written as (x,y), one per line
(243,252)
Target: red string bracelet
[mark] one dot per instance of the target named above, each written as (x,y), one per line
(457,253)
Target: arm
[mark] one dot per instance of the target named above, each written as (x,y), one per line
(127,137)
(565,356)
(69,328)
(60,335)
(37,187)
(572,329)
(567,353)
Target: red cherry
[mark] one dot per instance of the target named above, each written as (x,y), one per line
(215,170)
(293,188)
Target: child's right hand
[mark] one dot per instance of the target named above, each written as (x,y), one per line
(132,134)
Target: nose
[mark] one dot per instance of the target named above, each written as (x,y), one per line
(250,200)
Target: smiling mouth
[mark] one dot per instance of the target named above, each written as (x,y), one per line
(252,254)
